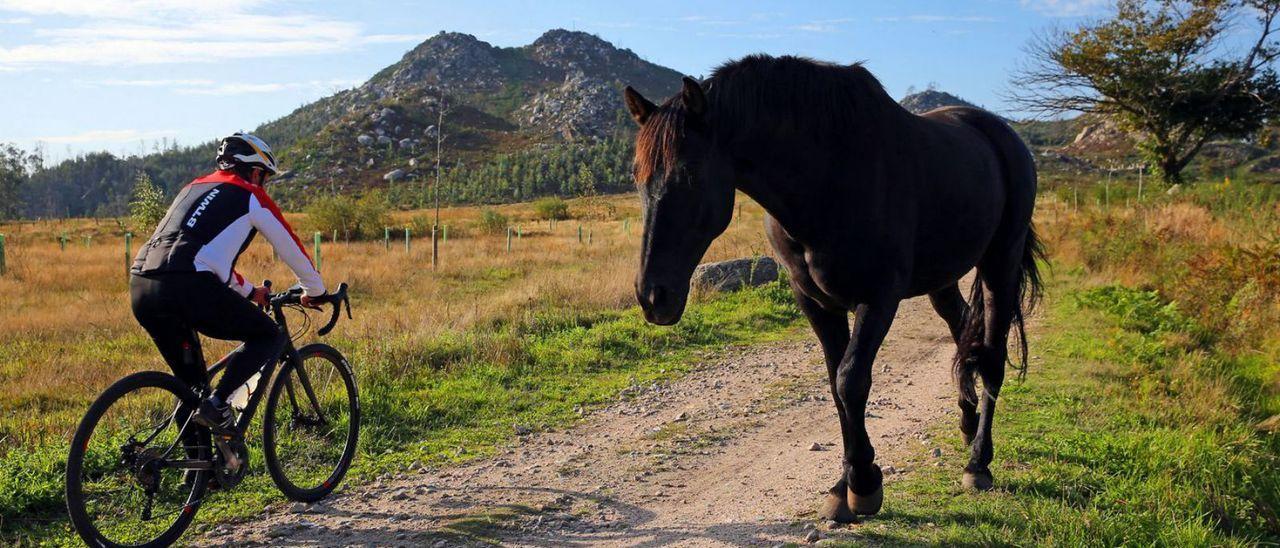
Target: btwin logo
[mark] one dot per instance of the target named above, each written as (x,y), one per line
(191,223)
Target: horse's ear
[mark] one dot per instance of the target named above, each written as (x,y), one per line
(695,101)
(639,107)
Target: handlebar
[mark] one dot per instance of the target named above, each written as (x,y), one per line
(293,295)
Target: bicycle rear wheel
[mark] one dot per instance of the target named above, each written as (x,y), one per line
(132,473)
(311,425)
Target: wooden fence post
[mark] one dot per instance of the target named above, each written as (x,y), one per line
(408,234)
(445,237)
(128,251)
(1140,170)
(62,241)
(316,250)
(508,239)
(579,233)
(386,238)
(3,266)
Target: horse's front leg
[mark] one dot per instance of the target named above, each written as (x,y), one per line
(832,329)
(853,385)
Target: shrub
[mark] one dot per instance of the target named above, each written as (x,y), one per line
(148,206)
(492,222)
(351,218)
(551,207)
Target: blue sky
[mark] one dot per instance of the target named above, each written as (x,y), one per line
(124,75)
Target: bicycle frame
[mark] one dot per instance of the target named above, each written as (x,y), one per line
(288,356)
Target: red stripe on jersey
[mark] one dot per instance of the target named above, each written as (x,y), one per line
(223,176)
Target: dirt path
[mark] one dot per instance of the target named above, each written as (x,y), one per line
(725,456)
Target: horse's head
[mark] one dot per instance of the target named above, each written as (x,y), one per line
(687,192)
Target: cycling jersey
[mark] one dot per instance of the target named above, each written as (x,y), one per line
(210,224)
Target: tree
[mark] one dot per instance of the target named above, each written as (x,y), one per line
(148,205)
(15,168)
(1166,71)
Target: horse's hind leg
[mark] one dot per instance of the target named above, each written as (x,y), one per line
(949,304)
(999,273)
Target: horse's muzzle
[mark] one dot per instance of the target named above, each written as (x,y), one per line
(661,305)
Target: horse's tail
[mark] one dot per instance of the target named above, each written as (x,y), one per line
(1019,172)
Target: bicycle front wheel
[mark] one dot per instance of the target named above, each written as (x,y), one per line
(312,423)
(137,471)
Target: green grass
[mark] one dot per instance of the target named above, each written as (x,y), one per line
(1128,431)
(454,399)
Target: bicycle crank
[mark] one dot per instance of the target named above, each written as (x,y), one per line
(232,463)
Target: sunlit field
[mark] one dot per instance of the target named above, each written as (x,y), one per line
(447,357)
(68,331)
(1162,312)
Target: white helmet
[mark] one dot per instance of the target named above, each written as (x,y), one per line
(246,149)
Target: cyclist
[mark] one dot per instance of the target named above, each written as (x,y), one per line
(184,280)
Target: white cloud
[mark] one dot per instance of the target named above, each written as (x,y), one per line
(394,38)
(198,86)
(162,83)
(125,9)
(928,18)
(16,21)
(824,25)
(107,136)
(247,88)
(147,32)
(1067,8)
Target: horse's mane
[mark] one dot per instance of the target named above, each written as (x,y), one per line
(784,95)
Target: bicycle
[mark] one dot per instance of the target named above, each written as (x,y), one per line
(139,468)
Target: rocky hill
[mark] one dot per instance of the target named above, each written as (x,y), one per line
(929,99)
(562,91)
(562,88)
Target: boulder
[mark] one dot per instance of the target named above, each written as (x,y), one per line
(365,140)
(735,274)
(384,140)
(386,112)
(406,143)
(394,175)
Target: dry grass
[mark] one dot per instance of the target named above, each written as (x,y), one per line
(69,331)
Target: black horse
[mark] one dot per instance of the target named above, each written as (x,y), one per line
(868,205)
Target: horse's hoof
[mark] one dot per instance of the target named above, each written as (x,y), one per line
(836,508)
(977,481)
(866,505)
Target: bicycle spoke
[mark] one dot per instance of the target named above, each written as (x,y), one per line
(312,423)
(131,487)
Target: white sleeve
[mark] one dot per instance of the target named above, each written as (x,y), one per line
(239,284)
(268,221)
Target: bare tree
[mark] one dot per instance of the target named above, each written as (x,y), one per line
(1164,71)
